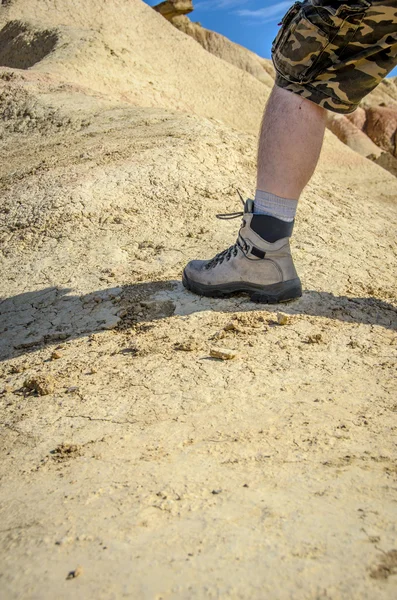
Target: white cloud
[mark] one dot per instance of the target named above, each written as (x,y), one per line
(269,13)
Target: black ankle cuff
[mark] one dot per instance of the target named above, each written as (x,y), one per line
(270,228)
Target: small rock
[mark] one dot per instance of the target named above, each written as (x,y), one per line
(58,335)
(111,323)
(188,346)
(219,335)
(216,492)
(56,355)
(232,326)
(41,384)
(354,344)
(72,389)
(17,369)
(76,573)
(65,452)
(282,319)
(316,338)
(115,294)
(132,350)
(222,353)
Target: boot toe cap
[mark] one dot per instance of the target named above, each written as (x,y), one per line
(195,269)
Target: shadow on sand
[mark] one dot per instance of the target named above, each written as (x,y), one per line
(41,318)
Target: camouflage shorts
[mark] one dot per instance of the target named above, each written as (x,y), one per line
(335,52)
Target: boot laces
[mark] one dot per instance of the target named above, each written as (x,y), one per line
(232,250)
(228,216)
(225,255)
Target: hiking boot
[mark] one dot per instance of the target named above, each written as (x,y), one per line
(259,263)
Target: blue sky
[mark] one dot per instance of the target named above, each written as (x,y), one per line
(251,23)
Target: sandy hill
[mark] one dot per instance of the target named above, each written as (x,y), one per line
(126,450)
(124,49)
(374,143)
(220,46)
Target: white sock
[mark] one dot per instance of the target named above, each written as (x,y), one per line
(269,204)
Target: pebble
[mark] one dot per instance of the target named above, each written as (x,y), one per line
(111,323)
(76,573)
(316,338)
(17,369)
(233,327)
(222,353)
(41,384)
(188,346)
(219,335)
(282,318)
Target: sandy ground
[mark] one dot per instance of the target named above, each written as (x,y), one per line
(134,463)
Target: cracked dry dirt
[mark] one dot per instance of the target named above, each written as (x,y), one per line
(160,471)
(134,464)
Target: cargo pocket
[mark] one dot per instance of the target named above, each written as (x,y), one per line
(312,37)
(288,17)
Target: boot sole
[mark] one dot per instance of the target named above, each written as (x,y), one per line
(264,294)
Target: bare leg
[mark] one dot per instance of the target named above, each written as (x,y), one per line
(290,143)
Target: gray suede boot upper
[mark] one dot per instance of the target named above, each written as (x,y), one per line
(259,263)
